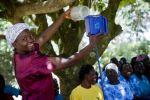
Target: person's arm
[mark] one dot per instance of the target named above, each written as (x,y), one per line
(51,30)
(61,63)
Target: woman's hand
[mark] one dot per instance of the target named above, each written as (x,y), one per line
(67,14)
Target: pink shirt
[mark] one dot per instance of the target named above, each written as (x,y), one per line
(33,75)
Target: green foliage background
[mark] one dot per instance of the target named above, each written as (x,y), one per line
(125,49)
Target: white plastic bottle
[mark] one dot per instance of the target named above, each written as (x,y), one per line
(79,12)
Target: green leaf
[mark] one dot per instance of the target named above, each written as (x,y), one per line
(126,2)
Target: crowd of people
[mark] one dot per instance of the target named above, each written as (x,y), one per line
(120,80)
(125,80)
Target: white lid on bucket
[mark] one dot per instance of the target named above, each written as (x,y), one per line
(79,12)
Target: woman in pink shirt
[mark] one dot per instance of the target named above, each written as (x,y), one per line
(33,69)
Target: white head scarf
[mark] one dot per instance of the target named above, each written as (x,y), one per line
(12,32)
(112,66)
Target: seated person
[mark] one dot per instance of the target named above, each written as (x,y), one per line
(115,89)
(4,96)
(115,61)
(126,72)
(122,61)
(103,79)
(86,91)
(138,82)
(146,62)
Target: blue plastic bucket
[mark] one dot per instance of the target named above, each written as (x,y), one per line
(96,24)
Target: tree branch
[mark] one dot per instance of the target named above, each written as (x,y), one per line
(41,7)
(2,37)
(110,13)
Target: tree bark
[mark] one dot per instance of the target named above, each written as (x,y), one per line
(48,6)
(15,13)
(2,37)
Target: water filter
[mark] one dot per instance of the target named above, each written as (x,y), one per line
(96,24)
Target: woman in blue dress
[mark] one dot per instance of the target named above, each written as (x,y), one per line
(139,82)
(115,89)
